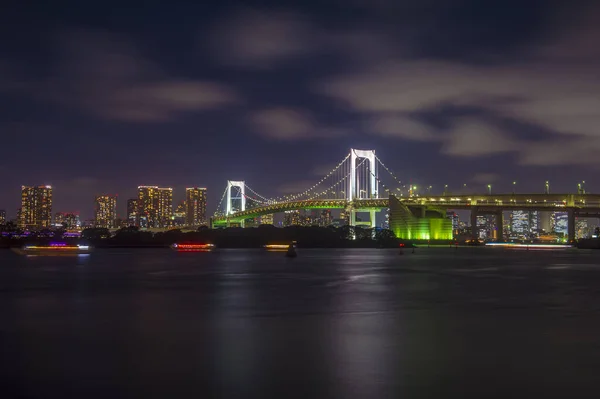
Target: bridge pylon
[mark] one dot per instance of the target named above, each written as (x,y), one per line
(365,177)
(241,185)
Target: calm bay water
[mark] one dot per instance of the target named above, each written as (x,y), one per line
(469,323)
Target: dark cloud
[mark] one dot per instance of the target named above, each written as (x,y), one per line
(291,124)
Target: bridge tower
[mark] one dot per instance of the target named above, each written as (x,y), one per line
(369,179)
(242,196)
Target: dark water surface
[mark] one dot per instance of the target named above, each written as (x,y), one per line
(470,323)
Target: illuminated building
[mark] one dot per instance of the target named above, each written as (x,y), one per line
(155,206)
(36,207)
(325,218)
(106,211)
(165,207)
(179,218)
(291,218)
(70,221)
(266,219)
(484,226)
(560,221)
(133,212)
(195,200)
(2,216)
(454,218)
(581,228)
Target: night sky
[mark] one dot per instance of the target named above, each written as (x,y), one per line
(100,97)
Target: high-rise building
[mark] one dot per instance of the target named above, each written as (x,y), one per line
(36,207)
(325,218)
(195,200)
(560,221)
(581,228)
(266,219)
(179,214)
(525,224)
(155,206)
(2,216)
(133,212)
(106,211)
(453,216)
(292,218)
(165,207)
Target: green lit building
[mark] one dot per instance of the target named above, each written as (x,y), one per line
(418,222)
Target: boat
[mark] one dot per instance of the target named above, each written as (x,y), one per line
(184,247)
(291,250)
(54,249)
(276,247)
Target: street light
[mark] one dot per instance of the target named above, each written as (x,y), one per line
(489,186)
(514,184)
(547,187)
(445,189)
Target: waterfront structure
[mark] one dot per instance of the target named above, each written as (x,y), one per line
(105,211)
(36,207)
(195,202)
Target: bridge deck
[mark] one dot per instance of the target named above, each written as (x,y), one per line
(589,203)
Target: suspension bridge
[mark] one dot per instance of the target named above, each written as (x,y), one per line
(355,185)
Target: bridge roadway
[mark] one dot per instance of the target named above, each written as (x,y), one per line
(574,204)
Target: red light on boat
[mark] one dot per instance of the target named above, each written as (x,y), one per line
(401,244)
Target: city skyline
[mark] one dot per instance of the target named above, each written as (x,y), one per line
(447,92)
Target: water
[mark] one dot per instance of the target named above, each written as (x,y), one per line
(469,323)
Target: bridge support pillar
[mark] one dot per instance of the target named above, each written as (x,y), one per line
(373,221)
(474,232)
(352,218)
(571,224)
(499,226)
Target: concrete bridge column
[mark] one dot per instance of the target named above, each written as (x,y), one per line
(474,223)
(571,224)
(499,226)
(373,221)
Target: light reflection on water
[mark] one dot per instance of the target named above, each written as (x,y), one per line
(330,323)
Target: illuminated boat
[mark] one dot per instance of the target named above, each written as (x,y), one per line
(53,249)
(192,247)
(279,247)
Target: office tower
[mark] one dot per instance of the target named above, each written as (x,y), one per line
(560,220)
(519,222)
(2,216)
(266,219)
(195,202)
(454,218)
(581,228)
(36,207)
(133,212)
(106,211)
(525,224)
